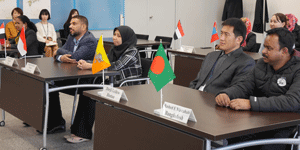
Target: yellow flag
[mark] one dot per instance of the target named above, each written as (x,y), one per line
(100,59)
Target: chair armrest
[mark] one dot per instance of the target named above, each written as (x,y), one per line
(135,79)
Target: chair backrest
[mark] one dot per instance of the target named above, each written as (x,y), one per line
(63,37)
(41,48)
(146,63)
(142,36)
(164,39)
(62,33)
(256,47)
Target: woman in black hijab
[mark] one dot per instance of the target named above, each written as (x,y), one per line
(123,57)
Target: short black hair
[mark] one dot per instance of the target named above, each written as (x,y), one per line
(44,12)
(286,38)
(239,27)
(82,20)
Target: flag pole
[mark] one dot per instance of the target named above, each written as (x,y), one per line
(103,69)
(161,101)
(5,47)
(26,45)
(214,46)
(161,95)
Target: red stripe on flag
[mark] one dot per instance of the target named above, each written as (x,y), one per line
(22,37)
(180,28)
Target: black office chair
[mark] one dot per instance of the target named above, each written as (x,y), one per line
(146,64)
(256,47)
(41,48)
(164,39)
(144,37)
(63,37)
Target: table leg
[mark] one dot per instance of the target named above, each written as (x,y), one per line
(208,144)
(298,146)
(111,80)
(46,117)
(2,123)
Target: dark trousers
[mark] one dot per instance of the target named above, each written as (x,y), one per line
(278,133)
(84,118)
(85,114)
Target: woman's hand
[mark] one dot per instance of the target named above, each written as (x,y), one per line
(82,64)
(7,44)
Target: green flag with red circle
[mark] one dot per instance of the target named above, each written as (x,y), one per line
(160,71)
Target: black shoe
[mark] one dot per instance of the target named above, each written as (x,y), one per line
(26,125)
(57,129)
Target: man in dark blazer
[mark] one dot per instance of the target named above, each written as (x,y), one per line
(81,44)
(220,69)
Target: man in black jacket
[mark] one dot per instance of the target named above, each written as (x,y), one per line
(272,86)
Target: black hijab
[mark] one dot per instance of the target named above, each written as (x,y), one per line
(128,41)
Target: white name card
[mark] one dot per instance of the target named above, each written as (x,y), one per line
(176,112)
(113,94)
(10,61)
(189,49)
(31,68)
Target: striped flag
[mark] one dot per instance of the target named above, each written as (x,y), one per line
(22,47)
(214,35)
(2,34)
(178,32)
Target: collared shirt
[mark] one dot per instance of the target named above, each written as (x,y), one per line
(216,66)
(76,42)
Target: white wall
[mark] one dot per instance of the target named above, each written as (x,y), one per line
(197,17)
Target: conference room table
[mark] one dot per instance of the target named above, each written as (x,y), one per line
(108,43)
(9,51)
(187,65)
(133,125)
(26,95)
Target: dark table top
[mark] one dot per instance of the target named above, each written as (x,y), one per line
(202,52)
(53,70)
(213,122)
(8,50)
(140,42)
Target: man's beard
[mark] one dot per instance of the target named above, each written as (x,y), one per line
(75,34)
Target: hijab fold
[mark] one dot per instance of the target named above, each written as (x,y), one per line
(128,41)
(292,21)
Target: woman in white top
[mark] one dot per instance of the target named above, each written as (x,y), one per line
(278,20)
(46,33)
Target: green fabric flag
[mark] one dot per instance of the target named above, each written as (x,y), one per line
(160,71)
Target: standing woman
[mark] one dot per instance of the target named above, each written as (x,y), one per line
(250,39)
(46,33)
(73,13)
(30,35)
(10,29)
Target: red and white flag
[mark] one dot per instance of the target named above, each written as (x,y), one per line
(22,47)
(2,34)
(178,32)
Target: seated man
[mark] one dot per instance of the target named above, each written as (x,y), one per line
(220,69)
(272,86)
(81,44)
